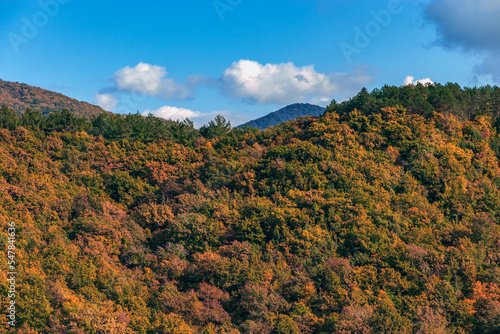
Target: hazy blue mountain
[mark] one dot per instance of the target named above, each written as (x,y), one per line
(287,113)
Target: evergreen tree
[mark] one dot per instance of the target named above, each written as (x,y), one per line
(216,128)
(8,118)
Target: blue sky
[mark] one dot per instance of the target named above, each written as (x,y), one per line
(243,58)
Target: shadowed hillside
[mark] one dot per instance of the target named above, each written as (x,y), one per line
(287,113)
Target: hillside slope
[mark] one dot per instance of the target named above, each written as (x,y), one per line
(19,96)
(287,113)
(363,220)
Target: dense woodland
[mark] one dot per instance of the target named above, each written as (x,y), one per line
(380,216)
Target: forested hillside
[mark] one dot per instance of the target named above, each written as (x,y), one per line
(381,216)
(19,96)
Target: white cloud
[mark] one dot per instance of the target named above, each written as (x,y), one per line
(198,118)
(322,101)
(151,80)
(471,25)
(143,78)
(249,80)
(409,80)
(285,83)
(106,101)
(235,118)
(173,113)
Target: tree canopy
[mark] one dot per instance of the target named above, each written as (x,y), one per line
(380,216)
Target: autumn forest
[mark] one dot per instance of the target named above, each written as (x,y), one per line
(380,216)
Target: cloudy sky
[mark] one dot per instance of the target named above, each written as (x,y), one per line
(243,58)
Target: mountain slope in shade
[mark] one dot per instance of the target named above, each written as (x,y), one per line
(19,96)
(287,113)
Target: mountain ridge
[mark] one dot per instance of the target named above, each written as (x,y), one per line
(287,113)
(20,96)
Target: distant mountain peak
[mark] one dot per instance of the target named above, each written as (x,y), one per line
(287,113)
(19,96)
